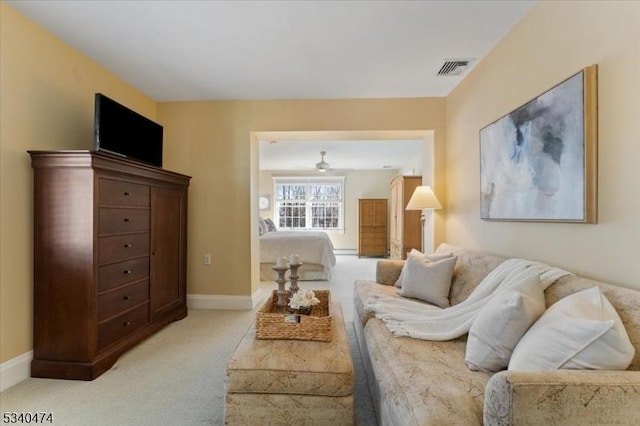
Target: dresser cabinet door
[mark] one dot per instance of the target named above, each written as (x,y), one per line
(372,227)
(168,247)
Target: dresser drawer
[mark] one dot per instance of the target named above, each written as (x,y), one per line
(121,326)
(117,301)
(122,247)
(374,238)
(118,274)
(118,193)
(119,221)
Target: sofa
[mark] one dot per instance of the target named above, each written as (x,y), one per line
(421,382)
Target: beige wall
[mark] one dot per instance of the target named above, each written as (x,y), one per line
(357,184)
(212,141)
(47,103)
(554,41)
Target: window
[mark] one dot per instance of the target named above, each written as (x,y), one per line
(309,203)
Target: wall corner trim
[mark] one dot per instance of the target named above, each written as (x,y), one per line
(15,370)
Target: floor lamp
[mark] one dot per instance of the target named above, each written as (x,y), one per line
(423,198)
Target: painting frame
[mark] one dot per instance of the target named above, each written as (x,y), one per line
(538,163)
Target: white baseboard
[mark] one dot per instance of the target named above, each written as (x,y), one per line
(260,296)
(239,303)
(352,252)
(209,301)
(15,370)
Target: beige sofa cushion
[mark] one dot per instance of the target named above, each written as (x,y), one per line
(362,290)
(424,382)
(471,268)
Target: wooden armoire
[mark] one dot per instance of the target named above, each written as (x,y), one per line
(372,227)
(110,246)
(404,225)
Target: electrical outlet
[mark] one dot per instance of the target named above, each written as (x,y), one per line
(207,259)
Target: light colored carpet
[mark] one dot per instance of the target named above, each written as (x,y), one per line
(176,377)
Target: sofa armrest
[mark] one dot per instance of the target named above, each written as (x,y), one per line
(388,271)
(563,397)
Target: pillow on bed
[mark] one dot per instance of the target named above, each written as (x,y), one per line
(271,227)
(262,226)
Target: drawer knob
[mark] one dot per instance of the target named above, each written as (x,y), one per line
(126,194)
(127,246)
(128,323)
(127,271)
(125,297)
(126,219)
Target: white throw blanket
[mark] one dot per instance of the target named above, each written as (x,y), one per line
(406,317)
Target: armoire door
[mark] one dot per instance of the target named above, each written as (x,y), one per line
(168,207)
(380,213)
(372,227)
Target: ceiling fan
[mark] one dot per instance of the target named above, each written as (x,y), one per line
(322,166)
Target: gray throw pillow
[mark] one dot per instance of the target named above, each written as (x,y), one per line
(415,253)
(428,280)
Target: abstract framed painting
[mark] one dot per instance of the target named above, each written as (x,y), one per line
(539,162)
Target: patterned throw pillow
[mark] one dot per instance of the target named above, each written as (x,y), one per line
(262,226)
(271,227)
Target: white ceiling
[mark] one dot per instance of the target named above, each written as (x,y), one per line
(205,50)
(342,155)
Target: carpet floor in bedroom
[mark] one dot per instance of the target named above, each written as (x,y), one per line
(176,376)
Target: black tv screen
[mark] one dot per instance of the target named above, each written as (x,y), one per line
(122,131)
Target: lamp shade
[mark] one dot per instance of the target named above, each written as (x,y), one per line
(423,198)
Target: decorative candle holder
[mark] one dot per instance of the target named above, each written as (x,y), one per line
(281,280)
(293,288)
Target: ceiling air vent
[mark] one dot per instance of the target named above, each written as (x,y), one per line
(454,67)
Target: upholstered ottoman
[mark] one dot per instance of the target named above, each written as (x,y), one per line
(291,381)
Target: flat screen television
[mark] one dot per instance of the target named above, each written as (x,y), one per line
(122,131)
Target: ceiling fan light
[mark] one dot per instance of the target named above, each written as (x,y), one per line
(322,166)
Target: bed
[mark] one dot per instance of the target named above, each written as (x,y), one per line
(314,248)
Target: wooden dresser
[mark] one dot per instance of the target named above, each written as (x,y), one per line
(110,245)
(372,227)
(404,225)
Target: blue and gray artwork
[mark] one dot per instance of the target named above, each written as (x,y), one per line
(532,160)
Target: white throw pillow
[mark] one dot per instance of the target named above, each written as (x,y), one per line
(580,331)
(428,280)
(501,323)
(415,253)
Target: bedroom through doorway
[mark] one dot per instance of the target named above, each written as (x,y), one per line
(311,181)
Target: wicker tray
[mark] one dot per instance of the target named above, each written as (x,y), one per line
(273,322)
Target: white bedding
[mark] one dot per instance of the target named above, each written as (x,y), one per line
(313,247)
